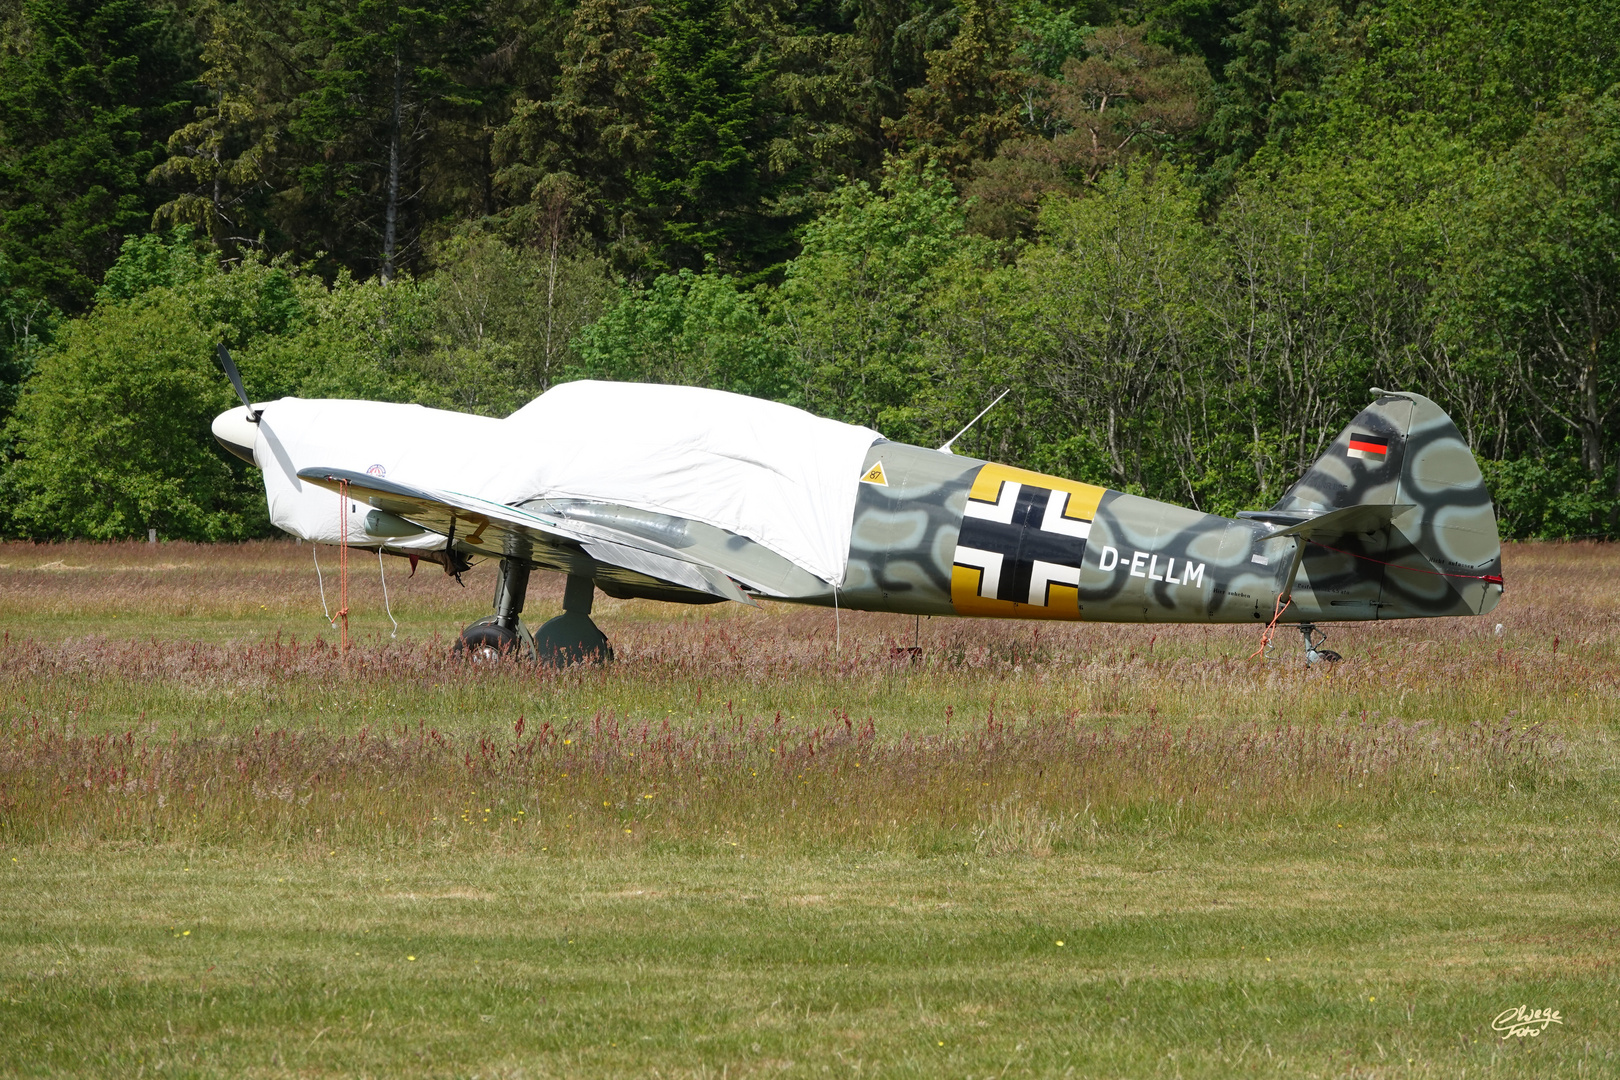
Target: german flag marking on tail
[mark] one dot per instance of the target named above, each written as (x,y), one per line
(1368,447)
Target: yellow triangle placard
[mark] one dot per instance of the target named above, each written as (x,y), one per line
(874,475)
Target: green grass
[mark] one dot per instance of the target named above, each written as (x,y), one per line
(1379,949)
(1253,869)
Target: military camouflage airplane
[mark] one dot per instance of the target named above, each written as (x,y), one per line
(696,496)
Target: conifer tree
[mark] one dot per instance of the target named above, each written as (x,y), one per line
(389,72)
(85,110)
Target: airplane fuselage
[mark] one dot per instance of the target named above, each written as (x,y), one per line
(946,535)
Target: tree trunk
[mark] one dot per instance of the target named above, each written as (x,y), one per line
(391,212)
(551,306)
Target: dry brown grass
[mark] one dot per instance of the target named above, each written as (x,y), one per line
(714,719)
(999,787)
(139,646)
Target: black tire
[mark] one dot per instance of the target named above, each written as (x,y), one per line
(571,638)
(486,643)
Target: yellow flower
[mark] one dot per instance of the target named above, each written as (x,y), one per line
(1060,944)
(410,958)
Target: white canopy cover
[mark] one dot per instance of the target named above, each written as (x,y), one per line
(775,474)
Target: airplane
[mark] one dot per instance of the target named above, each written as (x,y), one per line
(694,496)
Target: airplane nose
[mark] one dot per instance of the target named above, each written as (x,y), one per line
(236,433)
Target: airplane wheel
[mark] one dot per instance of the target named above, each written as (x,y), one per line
(485,643)
(571,638)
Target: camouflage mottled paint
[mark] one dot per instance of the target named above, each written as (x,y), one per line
(905,531)
(952,535)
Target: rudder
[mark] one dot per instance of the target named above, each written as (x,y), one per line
(1440,553)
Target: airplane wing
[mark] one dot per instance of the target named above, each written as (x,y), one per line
(496,529)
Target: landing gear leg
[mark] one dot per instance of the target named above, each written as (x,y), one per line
(572,636)
(1314,640)
(503,633)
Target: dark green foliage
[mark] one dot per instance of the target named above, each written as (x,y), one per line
(1125,99)
(1187,234)
(389,76)
(970,102)
(1281,57)
(89,91)
(710,185)
(1048,35)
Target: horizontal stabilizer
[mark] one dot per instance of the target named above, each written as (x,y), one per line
(1321,524)
(497,529)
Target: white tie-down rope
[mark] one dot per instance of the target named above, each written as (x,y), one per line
(320,583)
(386,606)
(838,626)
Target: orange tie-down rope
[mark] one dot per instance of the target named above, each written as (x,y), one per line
(1283,603)
(343,562)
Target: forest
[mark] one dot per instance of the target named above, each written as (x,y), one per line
(1188,235)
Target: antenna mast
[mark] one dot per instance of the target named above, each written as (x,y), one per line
(946,449)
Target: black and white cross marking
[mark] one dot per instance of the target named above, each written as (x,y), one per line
(1021,543)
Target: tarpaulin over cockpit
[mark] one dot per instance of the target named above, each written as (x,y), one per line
(775,474)
(769,472)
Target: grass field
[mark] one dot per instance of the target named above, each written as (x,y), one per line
(762,845)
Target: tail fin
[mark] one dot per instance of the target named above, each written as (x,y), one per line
(1427,535)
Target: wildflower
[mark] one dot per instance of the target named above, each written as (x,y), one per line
(410,958)
(1060,944)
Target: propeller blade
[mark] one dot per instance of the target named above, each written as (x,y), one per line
(236,380)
